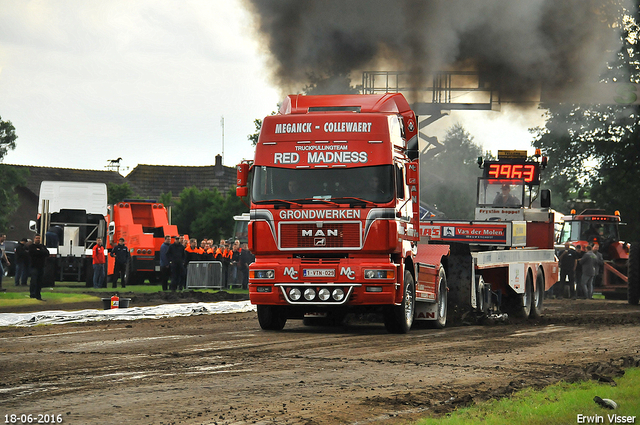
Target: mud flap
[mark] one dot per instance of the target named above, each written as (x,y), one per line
(425,311)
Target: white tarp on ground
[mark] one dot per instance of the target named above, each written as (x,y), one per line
(133,313)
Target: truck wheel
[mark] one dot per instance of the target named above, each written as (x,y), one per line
(441,311)
(538,296)
(634,275)
(399,318)
(520,304)
(270,318)
(526,299)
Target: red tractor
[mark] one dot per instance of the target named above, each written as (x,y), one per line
(618,278)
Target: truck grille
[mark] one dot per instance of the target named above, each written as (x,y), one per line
(330,236)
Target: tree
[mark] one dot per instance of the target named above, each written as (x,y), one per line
(10,177)
(119,192)
(206,213)
(449,178)
(594,150)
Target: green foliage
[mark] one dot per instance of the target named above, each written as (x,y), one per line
(557,404)
(253,138)
(206,213)
(594,150)
(449,174)
(119,192)
(7,137)
(166,199)
(10,177)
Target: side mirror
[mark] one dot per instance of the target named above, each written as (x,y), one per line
(545,198)
(112,228)
(33,226)
(242,171)
(242,191)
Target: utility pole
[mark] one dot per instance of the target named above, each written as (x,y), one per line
(222,124)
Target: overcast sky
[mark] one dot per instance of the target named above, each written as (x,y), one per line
(86,81)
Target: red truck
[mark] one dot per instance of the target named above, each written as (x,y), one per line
(143,225)
(335,224)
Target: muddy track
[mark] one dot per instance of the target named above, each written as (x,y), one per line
(223,369)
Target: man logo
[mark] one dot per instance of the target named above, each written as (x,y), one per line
(320,232)
(346,271)
(290,271)
(320,242)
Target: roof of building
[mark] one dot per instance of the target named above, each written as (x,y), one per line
(155,180)
(40,174)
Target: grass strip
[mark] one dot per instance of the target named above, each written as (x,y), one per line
(560,404)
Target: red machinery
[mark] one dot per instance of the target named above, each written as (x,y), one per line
(594,226)
(143,225)
(334,223)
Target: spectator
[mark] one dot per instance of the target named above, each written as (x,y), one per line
(588,263)
(208,252)
(568,261)
(4,261)
(122,256)
(580,253)
(99,265)
(22,262)
(597,281)
(192,253)
(176,257)
(246,258)
(38,254)
(222,255)
(165,265)
(235,258)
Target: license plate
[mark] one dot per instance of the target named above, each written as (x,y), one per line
(319,273)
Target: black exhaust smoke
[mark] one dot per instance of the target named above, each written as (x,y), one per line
(516,45)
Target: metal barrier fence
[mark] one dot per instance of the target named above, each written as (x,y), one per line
(205,274)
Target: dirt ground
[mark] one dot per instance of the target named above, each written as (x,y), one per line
(222,369)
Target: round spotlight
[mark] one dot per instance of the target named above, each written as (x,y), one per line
(338,294)
(295,294)
(309,294)
(324,294)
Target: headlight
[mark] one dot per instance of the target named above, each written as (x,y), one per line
(309,294)
(262,274)
(295,294)
(379,274)
(324,294)
(338,294)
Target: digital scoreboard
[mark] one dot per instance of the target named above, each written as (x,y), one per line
(513,170)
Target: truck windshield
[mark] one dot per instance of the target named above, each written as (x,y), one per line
(374,184)
(500,193)
(590,231)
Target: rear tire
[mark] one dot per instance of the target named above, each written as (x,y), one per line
(399,318)
(538,296)
(520,304)
(270,318)
(633,275)
(443,299)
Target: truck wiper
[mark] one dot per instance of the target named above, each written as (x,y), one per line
(318,199)
(364,201)
(278,201)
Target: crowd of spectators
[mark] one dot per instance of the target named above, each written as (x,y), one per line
(175,258)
